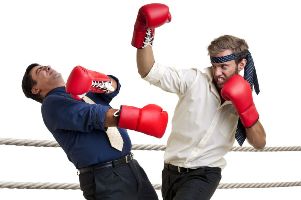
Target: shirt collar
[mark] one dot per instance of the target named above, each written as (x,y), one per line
(208,72)
(57,90)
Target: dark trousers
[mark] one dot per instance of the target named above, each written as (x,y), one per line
(124,182)
(198,184)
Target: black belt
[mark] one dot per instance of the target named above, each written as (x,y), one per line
(114,163)
(178,169)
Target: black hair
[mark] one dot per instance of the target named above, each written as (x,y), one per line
(28,83)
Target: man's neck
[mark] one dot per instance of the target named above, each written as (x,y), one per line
(219,92)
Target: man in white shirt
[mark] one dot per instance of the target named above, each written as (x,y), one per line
(210,104)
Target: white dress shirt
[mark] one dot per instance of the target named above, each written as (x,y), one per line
(203,129)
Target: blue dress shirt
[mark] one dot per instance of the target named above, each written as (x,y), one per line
(78,127)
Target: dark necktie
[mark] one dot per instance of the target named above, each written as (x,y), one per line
(251,76)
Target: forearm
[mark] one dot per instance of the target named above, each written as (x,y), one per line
(256,135)
(110,119)
(145,60)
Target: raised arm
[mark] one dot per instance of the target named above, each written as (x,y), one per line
(149,17)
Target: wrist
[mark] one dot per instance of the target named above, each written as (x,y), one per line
(116,115)
(111,118)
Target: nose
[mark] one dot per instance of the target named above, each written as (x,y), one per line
(46,68)
(218,71)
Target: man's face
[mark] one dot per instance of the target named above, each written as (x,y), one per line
(223,71)
(47,79)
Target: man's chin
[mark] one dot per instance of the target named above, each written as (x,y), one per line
(220,85)
(57,75)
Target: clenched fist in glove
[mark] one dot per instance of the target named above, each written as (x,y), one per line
(150,119)
(149,17)
(82,80)
(239,92)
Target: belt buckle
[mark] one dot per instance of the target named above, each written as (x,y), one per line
(128,158)
(180,171)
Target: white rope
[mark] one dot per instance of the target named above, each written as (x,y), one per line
(25,142)
(258,185)
(48,143)
(74,186)
(148,147)
(39,185)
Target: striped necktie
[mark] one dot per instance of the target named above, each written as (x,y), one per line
(251,76)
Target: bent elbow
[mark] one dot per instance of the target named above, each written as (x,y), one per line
(259,145)
(143,73)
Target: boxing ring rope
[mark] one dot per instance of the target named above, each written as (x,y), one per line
(74,186)
(49,143)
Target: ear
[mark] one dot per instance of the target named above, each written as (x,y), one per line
(35,90)
(242,64)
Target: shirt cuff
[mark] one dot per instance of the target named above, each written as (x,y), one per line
(155,74)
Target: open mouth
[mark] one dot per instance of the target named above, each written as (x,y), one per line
(220,80)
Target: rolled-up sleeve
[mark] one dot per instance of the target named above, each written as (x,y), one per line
(155,74)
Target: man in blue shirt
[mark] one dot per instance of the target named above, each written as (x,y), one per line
(80,129)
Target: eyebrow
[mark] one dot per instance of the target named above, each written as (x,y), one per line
(220,64)
(224,64)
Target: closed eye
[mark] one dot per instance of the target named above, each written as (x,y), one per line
(224,66)
(38,70)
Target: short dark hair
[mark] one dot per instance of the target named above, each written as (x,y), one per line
(28,83)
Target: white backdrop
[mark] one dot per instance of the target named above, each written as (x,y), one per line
(97,34)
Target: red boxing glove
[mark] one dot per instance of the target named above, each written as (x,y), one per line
(149,17)
(81,81)
(151,119)
(239,92)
